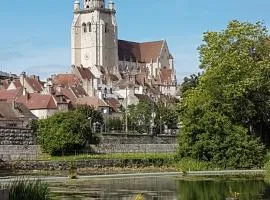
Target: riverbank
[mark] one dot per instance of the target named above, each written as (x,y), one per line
(229,173)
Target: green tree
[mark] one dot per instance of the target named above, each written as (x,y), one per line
(139,116)
(166,114)
(189,83)
(230,104)
(67,131)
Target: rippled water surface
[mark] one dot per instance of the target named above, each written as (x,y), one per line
(162,188)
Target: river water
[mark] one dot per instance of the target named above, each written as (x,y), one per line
(162,188)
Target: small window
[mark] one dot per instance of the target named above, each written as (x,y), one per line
(106,27)
(84,27)
(89,27)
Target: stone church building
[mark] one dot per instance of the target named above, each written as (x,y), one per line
(118,63)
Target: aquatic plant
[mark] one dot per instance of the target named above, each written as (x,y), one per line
(139,197)
(184,165)
(73,171)
(26,190)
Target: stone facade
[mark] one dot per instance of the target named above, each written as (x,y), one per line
(94,36)
(95,45)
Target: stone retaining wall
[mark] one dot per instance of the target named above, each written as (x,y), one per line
(16,136)
(17,144)
(89,163)
(135,143)
(137,139)
(135,148)
(19,152)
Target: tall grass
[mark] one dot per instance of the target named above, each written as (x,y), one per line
(28,190)
(187,164)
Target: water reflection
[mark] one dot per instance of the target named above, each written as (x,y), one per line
(162,188)
(220,189)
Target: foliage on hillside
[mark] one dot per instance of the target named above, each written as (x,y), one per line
(226,116)
(68,131)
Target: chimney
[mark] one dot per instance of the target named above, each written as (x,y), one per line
(22,80)
(14,105)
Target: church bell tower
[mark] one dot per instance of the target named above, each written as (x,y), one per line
(94,35)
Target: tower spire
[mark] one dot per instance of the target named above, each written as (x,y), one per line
(111,5)
(76,5)
(94,4)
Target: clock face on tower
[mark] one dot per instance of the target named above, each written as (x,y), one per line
(86,56)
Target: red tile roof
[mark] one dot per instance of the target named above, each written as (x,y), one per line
(5,83)
(17,83)
(141,52)
(17,111)
(66,80)
(85,73)
(36,101)
(68,93)
(92,101)
(125,83)
(143,97)
(113,103)
(9,95)
(78,91)
(35,84)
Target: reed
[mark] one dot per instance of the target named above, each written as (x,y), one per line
(28,190)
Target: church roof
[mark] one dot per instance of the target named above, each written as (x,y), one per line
(141,52)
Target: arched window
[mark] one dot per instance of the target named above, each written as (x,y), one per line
(84,27)
(105,90)
(89,27)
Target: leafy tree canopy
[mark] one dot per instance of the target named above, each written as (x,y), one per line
(230,104)
(189,83)
(68,131)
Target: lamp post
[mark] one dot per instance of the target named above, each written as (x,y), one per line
(152,122)
(160,125)
(126,112)
(90,121)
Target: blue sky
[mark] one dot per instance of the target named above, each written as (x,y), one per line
(35,35)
